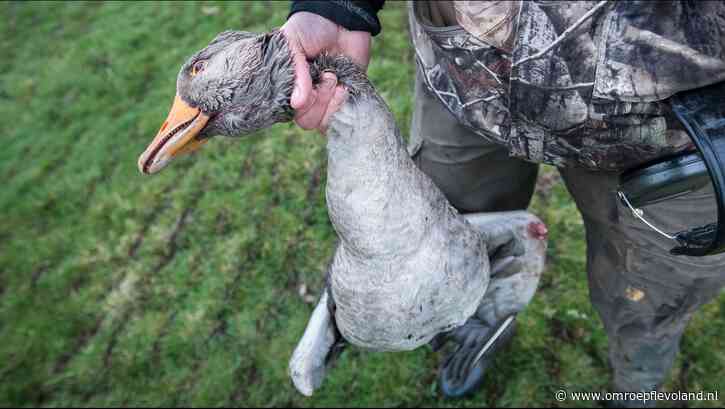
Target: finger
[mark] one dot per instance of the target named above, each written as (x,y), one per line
(301,118)
(338,99)
(312,118)
(301,99)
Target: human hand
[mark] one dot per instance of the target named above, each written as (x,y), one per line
(308,35)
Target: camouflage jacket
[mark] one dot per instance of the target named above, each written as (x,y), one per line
(573,83)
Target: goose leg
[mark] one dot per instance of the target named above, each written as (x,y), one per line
(516,243)
(319,345)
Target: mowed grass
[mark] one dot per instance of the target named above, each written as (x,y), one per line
(191,288)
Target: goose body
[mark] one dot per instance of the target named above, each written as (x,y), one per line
(408,266)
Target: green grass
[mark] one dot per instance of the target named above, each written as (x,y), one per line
(184,289)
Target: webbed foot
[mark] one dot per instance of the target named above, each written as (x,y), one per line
(464,370)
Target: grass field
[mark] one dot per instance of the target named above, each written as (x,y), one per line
(192,287)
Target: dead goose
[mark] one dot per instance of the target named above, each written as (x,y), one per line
(408,266)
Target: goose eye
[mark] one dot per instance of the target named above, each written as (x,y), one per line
(198,67)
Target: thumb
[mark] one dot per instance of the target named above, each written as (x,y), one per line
(338,99)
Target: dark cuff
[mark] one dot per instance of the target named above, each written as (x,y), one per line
(354,15)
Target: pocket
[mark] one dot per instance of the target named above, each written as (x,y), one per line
(673,215)
(467,75)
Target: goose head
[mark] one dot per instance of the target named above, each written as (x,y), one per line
(239,83)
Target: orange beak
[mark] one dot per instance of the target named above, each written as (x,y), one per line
(176,137)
